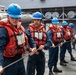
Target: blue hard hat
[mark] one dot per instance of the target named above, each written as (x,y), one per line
(14,11)
(55,21)
(37,15)
(71,25)
(64,23)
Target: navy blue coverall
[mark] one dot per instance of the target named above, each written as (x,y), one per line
(36,62)
(53,52)
(17,68)
(63,48)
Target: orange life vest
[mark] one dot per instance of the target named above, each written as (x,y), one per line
(17,40)
(57,34)
(39,35)
(68,33)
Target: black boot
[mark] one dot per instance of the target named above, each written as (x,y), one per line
(50,71)
(72,58)
(73,47)
(56,70)
(62,63)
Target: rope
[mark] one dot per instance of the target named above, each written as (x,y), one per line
(59,44)
(13,63)
(31,53)
(23,57)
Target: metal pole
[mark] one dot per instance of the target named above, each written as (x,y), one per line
(63,14)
